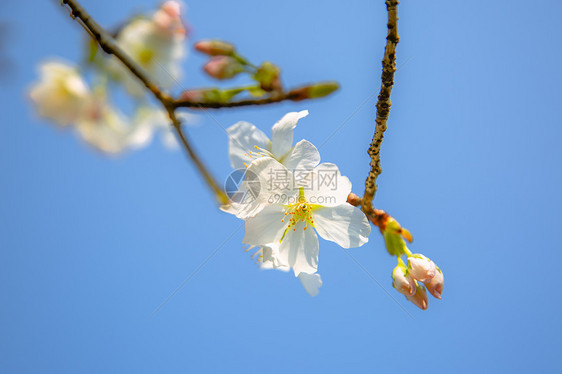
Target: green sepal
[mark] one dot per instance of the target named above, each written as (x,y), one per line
(395,245)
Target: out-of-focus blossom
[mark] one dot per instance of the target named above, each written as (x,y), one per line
(157,44)
(149,121)
(103,127)
(61,94)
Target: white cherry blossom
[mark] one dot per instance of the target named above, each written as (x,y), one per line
(295,211)
(247,143)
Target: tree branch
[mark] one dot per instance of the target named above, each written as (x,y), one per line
(292,95)
(108,45)
(383,105)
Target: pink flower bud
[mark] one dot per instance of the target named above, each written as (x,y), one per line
(435,286)
(172,8)
(419,299)
(195,96)
(421,268)
(215,48)
(403,282)
(168,19)
(223,67)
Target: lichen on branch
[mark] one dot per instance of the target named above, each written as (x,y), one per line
(383,104)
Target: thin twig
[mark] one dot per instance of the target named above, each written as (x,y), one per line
(108,45)
(383,104)
(293,95)
(221,196)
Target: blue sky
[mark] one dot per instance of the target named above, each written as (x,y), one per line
(91,245)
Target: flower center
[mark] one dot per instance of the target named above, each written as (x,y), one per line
(300,211)
(145,56)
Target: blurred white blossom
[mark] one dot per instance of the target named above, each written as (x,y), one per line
(102,126)
(61,94)
(157,44)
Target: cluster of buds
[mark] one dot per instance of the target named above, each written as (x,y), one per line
(420,274)
(226,63)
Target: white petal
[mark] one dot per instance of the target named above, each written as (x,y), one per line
(169,139)
(243,136)
(246,207)
(342,224)
(311,283)
(141,134)
(159,53)
(266,227)
(266,182)
(61,94)
(270,258)
(304,156)
(282,133)
(228,208)
(275,181)
(108,131)
(299,248)
(328,187)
